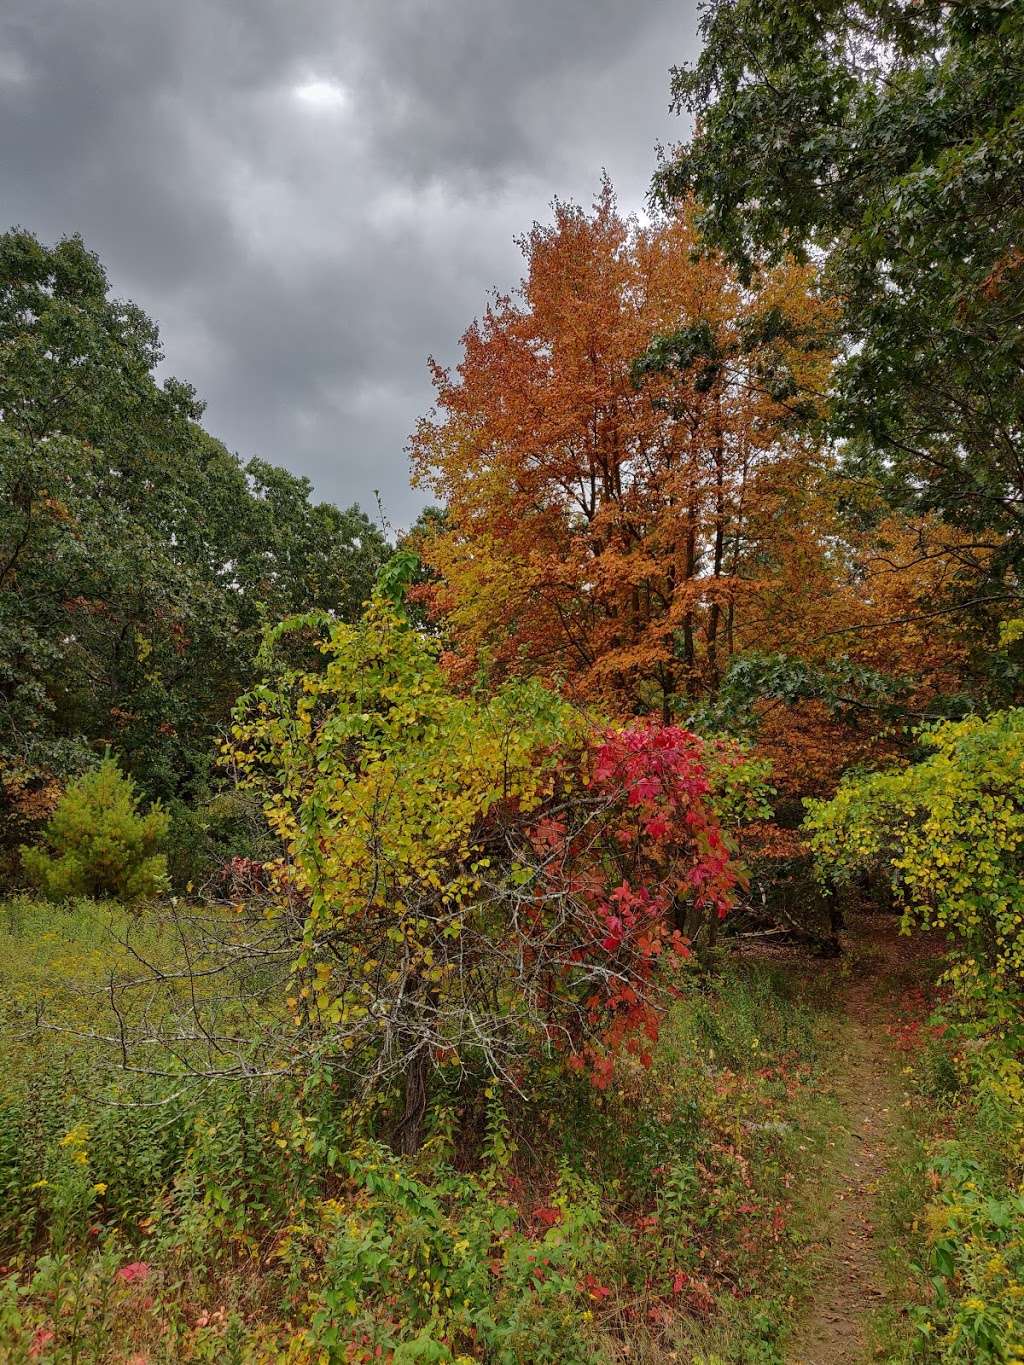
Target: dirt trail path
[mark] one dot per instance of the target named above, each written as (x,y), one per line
(850,1286)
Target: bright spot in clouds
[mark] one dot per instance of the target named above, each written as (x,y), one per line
(312,204)
(318,93)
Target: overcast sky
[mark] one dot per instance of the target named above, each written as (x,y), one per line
(311,196)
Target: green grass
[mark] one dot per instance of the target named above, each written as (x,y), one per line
(664,1217)
(954,1208)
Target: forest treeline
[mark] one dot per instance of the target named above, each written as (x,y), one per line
(767,448)
(139,559)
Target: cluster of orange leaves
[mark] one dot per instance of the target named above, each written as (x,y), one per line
(27,800)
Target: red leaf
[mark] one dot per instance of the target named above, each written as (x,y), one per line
(547,1216)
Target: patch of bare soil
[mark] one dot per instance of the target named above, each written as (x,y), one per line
(850,1287)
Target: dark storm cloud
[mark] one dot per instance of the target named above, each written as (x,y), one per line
(312,195)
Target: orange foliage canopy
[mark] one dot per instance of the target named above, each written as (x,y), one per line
(625,528)
(902,605)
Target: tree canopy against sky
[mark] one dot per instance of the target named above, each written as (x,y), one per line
(887,139)
(138,557)
(620,457)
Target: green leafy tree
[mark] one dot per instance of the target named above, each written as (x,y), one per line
(99,844)
(756,677)
(139,559)
(885,137)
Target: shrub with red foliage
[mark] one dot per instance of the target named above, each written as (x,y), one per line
(241,878)
(634,846)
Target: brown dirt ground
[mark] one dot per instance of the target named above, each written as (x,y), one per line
(850,1286)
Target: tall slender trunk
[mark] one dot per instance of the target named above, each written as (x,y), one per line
(714,614)
(407,1137)
(408,1134)
(689,648)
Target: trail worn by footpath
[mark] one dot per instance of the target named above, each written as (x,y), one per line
(850,1284)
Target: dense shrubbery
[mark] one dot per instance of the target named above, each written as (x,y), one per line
(98,843)
(948,832)
(974,1257)
(488,877)
(205,839)
(954,1197)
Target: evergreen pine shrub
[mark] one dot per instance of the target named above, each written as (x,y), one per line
(97,842)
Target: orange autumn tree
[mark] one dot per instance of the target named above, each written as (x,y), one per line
(894,643)
(619,452)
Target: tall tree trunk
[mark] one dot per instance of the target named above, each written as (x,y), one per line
(716,606)
(690,569)
(408,1135)
(419,998)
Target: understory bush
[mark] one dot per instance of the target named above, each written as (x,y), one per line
(487,882)
(203,841)
(956,1197)
(948,833)
(974,1261)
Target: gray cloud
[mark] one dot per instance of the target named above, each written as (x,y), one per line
(312,195)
